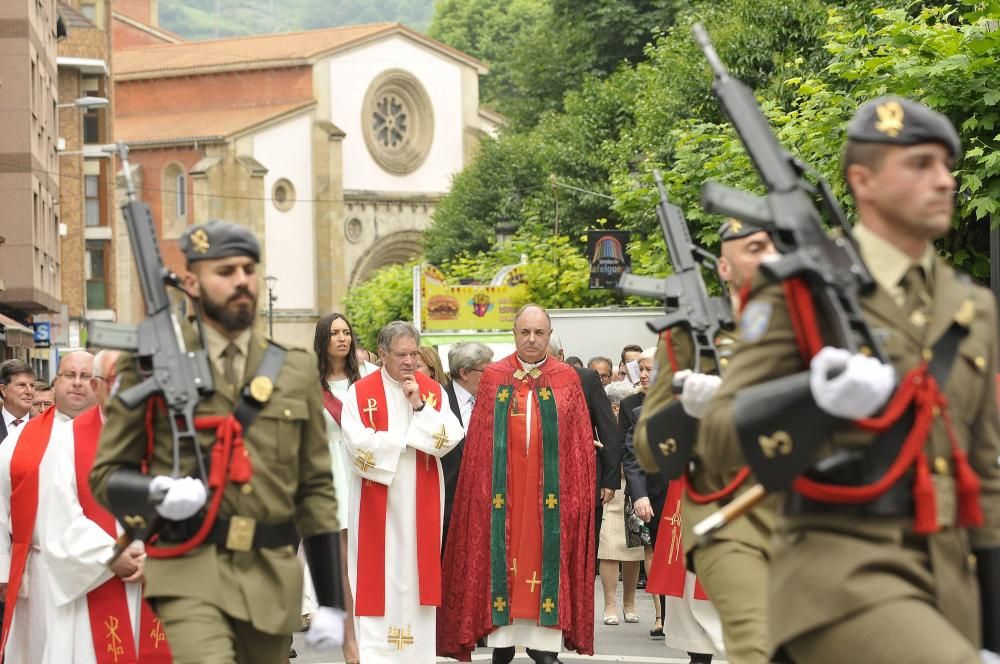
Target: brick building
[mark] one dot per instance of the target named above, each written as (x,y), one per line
(333,145)
(30,265)
(87,205)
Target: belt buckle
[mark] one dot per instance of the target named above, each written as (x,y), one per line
(240,534)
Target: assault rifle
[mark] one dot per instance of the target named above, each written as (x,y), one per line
(830,265)
(181,377)
(671,432)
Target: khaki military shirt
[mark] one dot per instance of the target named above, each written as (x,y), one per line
(706,478)
(825,567)
(291,482)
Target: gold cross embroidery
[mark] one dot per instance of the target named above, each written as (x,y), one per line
(399,638)
(545,393)
(498,501)
(365,461)
(514,568)
(440,438)
(551,501)
(371,409)
(504,393)
(675,535)
(157,633)
(500,604)
(114,641)
(533,581)
(548,605)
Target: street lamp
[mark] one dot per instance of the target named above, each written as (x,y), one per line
(86,103)
(271,282)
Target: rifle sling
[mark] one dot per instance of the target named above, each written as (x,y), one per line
(877,457)
(270,366)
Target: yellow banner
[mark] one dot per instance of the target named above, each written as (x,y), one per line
(470,307)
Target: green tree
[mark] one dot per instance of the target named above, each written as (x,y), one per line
(386,297)
(489,30)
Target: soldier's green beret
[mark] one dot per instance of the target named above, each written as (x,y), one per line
(218,239)
(734,229)
(898,121)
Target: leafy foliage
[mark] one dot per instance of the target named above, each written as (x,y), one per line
(209,19)
(386,297)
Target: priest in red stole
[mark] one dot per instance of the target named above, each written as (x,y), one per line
(70,607)
(397,425)
(519,564)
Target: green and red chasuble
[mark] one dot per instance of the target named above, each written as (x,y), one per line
(521,538)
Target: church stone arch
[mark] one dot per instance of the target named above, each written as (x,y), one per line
(393,249)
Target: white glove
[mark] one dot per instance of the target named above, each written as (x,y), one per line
(698,390)
(326,629)
(989,657)
(861,387)
(184,497)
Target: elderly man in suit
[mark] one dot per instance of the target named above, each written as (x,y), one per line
(466,362)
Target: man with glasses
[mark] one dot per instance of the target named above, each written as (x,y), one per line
(398,424)
(38,460)
(42,399)
(602,366)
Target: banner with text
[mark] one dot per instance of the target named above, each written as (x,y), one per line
(608,257)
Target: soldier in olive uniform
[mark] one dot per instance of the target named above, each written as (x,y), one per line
(236,597)
(733,568)
(861,582)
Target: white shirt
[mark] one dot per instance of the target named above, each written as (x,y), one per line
(8,421)
(465,402)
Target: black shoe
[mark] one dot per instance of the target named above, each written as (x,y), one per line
(503,655)
(700,658)
(641,583)
(292,654)
(543,657)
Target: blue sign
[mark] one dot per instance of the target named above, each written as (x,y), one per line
(43,334)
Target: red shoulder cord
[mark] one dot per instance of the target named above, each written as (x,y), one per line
(741,476)
(918,388)
(230,462)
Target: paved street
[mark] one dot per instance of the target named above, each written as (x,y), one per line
(621,643)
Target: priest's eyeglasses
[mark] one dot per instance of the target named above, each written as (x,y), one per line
(73,377)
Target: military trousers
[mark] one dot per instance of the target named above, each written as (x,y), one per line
(735,577)
(902,630)
(200,633)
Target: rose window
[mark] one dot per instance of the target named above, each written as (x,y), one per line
(389,122)
(398,123)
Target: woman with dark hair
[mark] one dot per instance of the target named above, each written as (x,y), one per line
(339,368)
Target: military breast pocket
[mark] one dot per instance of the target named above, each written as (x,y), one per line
(280,430)
(967,382)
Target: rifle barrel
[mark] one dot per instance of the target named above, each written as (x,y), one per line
(705,42)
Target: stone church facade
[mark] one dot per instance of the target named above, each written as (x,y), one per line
(333,145)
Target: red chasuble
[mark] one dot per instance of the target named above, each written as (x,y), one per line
(370,595)
(110,623)
(472,569)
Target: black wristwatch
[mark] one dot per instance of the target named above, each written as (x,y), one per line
(422,404)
